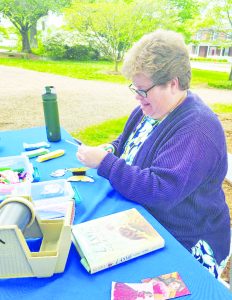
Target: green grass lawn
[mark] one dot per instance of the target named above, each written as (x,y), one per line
(202,77)
(89,70)
(110,130)
(101,133)
(99,70)
(222,108)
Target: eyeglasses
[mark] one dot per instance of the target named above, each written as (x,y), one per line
(142,93)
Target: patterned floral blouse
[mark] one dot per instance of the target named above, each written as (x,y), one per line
(204,254)
(138,137)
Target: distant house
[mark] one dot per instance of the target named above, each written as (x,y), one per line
(211,43)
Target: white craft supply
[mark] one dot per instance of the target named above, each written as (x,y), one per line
(29,147)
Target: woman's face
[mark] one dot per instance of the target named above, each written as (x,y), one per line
(159,99)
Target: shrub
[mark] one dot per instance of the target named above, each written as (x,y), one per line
(221,84)
(222,108)
(68,45)
(208,59)
(81,52)
(54,46)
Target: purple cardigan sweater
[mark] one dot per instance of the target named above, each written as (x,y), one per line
(177,174)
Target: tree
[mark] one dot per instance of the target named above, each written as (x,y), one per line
(228,12)
(185,14)
(219,15)
(24,14)
(3,31)
(33,36)
(111,26)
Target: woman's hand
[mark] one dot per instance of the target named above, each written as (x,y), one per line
(91,156)
(108,147)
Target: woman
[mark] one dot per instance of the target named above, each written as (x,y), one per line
(171,156)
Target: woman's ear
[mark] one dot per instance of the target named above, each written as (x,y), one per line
(174,85)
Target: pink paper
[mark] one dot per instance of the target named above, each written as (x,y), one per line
(168,286)
(131,291)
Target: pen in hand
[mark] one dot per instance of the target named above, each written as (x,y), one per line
(78,143)
(108,148)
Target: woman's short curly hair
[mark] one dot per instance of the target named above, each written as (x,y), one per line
(161,55)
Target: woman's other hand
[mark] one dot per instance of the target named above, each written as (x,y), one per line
(91,156)
(108,147)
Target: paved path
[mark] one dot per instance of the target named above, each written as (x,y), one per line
(214,66)
(81,102)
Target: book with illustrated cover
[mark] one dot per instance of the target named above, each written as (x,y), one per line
(113,239)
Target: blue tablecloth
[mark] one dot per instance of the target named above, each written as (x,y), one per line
(99,199)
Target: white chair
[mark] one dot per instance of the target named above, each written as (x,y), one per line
(229,172)
(229,180)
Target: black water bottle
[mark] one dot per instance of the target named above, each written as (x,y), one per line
(51,114)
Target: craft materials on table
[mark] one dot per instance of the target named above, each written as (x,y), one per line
(78,174)
(51,155)
(16,174)
(78,171)
(80,178)
(12,176)
(35,153)
(29,147)
(34,150)
(109,148)
(51,198)
(77,196)
(131,291)
(58,173)
(36,175)
(77,142)
(52,189)
(168,286)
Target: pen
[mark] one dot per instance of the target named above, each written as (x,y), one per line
(109,148)
(78,143)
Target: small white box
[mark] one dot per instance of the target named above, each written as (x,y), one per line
(52,198)
(59,188)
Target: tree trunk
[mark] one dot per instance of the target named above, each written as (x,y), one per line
(116,65)
(230,76)
(33,38)
(25,41)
